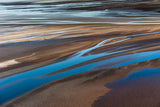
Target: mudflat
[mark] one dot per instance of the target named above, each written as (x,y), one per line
(122,44)
(81,61)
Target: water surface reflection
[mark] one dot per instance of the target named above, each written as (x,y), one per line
(140,88)
(53,12)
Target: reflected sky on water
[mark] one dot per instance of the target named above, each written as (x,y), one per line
(48,12)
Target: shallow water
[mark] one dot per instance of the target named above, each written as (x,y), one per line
(40,12)
(140,88)
(75,64)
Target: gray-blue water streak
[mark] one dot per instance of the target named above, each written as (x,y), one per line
(127,59)
(24,82)
(38,13)
(19,84)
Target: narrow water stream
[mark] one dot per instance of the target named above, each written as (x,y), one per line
(40,13)
(27,81)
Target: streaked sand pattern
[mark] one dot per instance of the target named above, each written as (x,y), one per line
(69,51)
(85,53)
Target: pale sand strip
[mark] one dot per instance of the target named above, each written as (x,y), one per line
(8,63)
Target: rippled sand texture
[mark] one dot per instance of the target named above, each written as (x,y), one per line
(80,60)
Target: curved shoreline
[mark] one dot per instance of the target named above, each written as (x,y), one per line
(88,84)
(108,43)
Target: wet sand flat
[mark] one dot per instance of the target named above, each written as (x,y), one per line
(84,53)
(37,51)
(86,88)
(123,49)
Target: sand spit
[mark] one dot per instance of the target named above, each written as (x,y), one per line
(74,90)
(98,42)
(8,63)
(91,53)
(52,49)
